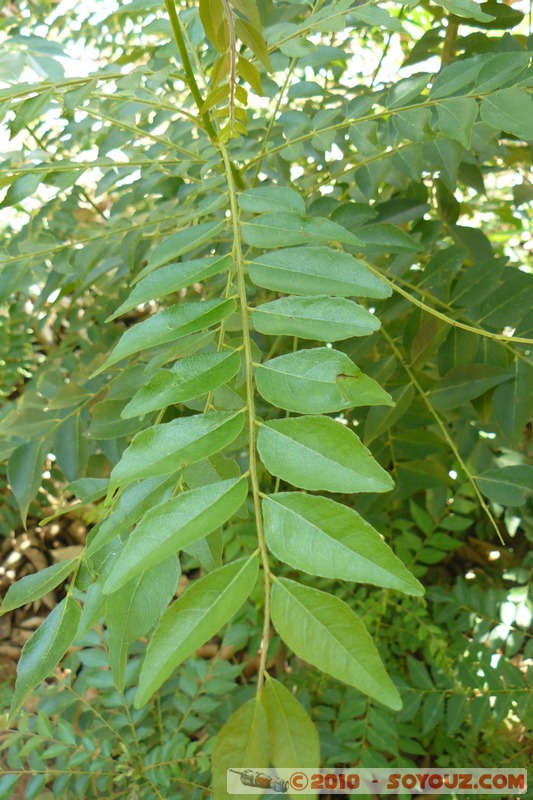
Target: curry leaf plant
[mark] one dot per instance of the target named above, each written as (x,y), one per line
(269,271)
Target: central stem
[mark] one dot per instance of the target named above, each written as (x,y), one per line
(250,403)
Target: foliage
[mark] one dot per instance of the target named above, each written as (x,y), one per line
(267,308)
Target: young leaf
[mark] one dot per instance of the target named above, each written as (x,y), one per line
(31,587)
(317,381)
(323,630)
(242,741)
(316,271)
(293,737)
(253,38)
(325,538)
(175,524)
(250,73)
(327,319)
(172,277)
(290,228)
(24,473)
(45,649)
(133,502)
(182,242)
(168,447)
(215,24)
(204,608)
(318,453)
(189,378)
(168,325)
(135,609)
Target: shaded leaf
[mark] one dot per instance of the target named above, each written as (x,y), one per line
(203,609)
(168,325)
(135,609)
(189,378)
(175,524)
(166,448)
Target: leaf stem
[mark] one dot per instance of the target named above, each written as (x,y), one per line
(250,402)
(498,337)
(193,86)
(187,67)
(444,432)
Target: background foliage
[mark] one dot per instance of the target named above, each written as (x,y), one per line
(399,133)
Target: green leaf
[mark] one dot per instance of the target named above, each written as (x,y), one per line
(465,383)
(135,609)
(455,713)
(512,402)
(384,238)
(189,378)
(175,524)
(456,118)
(480,711)
(171,278)
(29,110)
(242,741)
(24,473)
(419,675)
(325,538)
(380,420)
(465,8)
(106,422)
(199,614)
(45,649)
(134,501)
(500,67)
(168,447)
(21,188)
(182,242)
(292,735)
(323,630)
(509,110)
(31,587)
(168,325)
(327,319)
(508,486)
(288,228)
(432,711)
(318,453)
(317,381)
(456,76)
(316,271)
(405,91)
(71,447)
(265,199)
